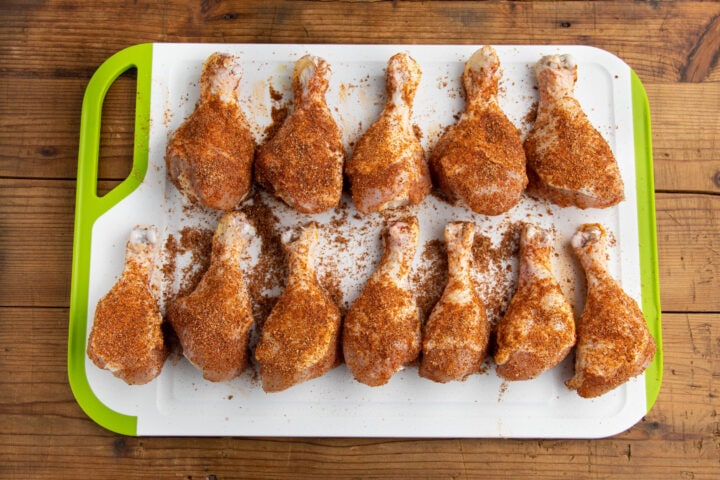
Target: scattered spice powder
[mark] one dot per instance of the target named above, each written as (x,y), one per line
(198,242)
(275,95)
(278,115)
(531,115)
(330,282)
(268,276)
(492,264)
(169,265)
(418,131)
(430,278)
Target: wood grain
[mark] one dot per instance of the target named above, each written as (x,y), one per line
(43,143)
(686,136)
(32,211)
(689,252)
(44,434)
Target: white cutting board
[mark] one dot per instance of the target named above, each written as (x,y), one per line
(180,402)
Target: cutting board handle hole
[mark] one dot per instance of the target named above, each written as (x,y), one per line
(117,132)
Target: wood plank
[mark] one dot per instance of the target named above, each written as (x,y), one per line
(38,217)
(43,141)
(39,132)
(44,434)
(685,136)
(39,128)
(36,242)
(689,249)
(656,38)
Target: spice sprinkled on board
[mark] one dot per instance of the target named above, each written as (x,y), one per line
(268,276)
(496,280)
(430,278)
(198,242)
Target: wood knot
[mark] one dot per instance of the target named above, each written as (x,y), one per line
(565,24)
(120,448)
(47,151)
(716,179)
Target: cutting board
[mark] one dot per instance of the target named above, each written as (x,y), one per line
(180,402)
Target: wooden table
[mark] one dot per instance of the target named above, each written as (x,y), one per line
(49,50)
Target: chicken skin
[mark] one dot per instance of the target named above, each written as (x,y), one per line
(209,158)
(213,322)
(302,163)
(480,161)
(538,329)
(569,162)
(387,168)
(300,338)
(382,328)
(614,343)
(455,337)
(126,337)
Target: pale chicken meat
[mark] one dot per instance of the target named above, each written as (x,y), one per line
(569,161)
(126,336)
(614,343)
(300,338)
(382,330)
(213,322)
(209,157)
(538,329)
(455,336)
(480,162)
(387,168)
(302,163)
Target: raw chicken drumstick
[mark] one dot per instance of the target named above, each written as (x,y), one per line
(538,329)
(300,338)
(302,164)
(455,337)
(382,328)
(480,161)
(126,337)
(614,343)
(387,168)
(213,322)
(569,162)
(209,158)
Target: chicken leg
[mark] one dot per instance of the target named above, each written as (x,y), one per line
(213,322)
(480,161)
(209,158)
(302,164)
(300,338)
(614,343)
(569,162)
(455,338)
(387,168)
(538,329)
(382,328)
(126,337)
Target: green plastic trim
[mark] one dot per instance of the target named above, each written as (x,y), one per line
(647,230)
(89,207)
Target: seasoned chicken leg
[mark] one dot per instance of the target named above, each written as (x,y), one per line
(302,164)
(455,338)
(480,161)
(538,329)
(382,328)
(614,343)
(126,337)
(569,162)
(387,168)
(213,322)
(300,338)
(209,158)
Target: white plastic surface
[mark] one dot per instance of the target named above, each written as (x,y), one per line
(180,402)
